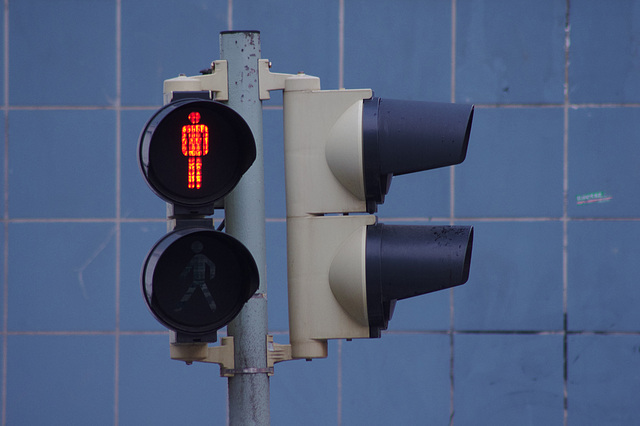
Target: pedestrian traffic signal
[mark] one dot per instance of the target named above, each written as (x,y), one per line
(196,280)
(345,270)
(192,153)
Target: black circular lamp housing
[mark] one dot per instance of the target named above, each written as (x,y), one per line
(193,152)
(196,280)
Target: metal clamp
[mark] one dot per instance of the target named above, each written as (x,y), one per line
(228,372)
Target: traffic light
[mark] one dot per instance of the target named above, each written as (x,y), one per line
(345,270)
(192,153)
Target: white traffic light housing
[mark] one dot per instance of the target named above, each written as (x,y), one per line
(346,271)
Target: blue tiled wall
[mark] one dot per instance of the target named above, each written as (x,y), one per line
(546,331)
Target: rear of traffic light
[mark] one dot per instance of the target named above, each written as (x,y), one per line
(345,270)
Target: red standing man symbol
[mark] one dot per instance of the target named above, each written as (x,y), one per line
(195,144)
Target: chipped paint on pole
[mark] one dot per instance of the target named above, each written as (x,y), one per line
(245,220)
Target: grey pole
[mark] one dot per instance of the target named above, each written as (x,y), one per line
(245,220)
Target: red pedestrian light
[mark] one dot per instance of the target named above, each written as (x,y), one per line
(193,152)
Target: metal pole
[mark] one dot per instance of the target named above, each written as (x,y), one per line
(245,220)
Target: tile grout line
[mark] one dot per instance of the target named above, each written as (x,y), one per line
(339,380)
(118,229)
(279,107)
(452,179)
(341,44)
(5,290)
(86,333)
(382,219)
(340,365)
(110,107)
(506,332)
(565,217)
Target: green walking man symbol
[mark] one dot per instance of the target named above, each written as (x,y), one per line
(197,267)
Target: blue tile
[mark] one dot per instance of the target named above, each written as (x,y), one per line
(603,384)
(61,276)
(426,312)
(603,291)
(514,164)
(508,380)
(604,51)
(603,162)
(422,195)
(515,281)
(510,53)
(69,380)
(136,241)
(275,195)
(400,49)
(2,40)
(3,138)
(137,199)
(397,379)
(161,40)
(305,393)
(2,270)
(62,164)
(278,306)
(71,44)
(154,389)
(294,38)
